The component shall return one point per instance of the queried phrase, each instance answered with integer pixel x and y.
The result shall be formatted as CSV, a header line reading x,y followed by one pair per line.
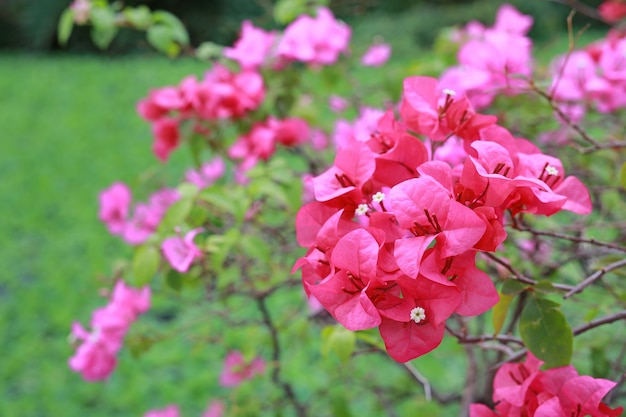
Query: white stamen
x,y
378,197
552,170
418,314
362,209
449,92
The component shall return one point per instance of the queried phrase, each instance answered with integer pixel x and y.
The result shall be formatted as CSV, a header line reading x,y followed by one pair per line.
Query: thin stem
x,y
519,276
599,322
571,238
276,354
594,277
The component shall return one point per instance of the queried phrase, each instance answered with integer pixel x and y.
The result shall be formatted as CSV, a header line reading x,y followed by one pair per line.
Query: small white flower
x,y
418,314
449,92
361,209
552,170
378,197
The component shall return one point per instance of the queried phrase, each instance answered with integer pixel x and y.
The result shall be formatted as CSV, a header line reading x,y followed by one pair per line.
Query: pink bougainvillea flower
x,y
166,137
612,10
171,410
252,48
237,370
81,9
114,207
95,358
182,252
315,41
207,174
337,103
291,131
424,208
377,54
215,408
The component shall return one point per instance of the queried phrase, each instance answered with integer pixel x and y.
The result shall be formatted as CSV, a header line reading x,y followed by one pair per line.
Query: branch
x,y
276,353
571,238
581,8
599,322
594,277
519,276
429,392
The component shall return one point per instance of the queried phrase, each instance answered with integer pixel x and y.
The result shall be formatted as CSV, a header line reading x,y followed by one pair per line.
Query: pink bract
x,y
237,370
252,48
182,252
377,54
114,207
169,411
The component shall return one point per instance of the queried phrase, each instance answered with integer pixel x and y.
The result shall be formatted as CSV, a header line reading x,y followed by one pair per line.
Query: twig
x,y
594,277
428,394
276,353
581,8
571,238
599,322
519,276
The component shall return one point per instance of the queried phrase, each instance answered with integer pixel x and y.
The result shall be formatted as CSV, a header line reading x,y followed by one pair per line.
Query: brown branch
x,y
599,322
594,277
429,392
519,276
276,353
581,8
571,238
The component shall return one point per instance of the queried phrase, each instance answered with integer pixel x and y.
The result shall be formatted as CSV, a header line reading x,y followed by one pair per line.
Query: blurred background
x,y
69,130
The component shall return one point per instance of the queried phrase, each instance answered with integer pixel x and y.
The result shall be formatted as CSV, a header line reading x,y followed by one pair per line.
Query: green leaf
x,y
66,24
145,264
256,248
622,176
209,50
178,31
339,340
286,11
161,37
546,333
513,287
500,310
138,344
174,280
545,287
140,17
176,214
340,406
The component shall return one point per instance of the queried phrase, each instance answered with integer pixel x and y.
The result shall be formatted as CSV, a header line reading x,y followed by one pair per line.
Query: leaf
x,y
174,280
145,264
500,310
104,28
286,11
176,214
209,50
600,365
545,287
66,24
161,37
339,340
256,248
139,344
513,287
622,176
178,31
546,333
140,17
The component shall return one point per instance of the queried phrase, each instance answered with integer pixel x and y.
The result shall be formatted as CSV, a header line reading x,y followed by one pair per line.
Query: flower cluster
x,y
237,370
612,11
492,60
96,356
221,94
393,232
595,75
115,207
214,409
525,390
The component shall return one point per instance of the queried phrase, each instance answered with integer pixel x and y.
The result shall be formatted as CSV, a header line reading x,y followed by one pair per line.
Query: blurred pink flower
x,y
252,48
376,55
169,411
207,174
114,205
215,409
181,252
236,370
337,103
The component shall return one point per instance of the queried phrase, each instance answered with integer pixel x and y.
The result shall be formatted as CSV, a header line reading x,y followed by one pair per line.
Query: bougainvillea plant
x,y
408,220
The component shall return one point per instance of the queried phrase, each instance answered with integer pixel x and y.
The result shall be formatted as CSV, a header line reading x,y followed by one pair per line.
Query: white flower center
x,y
552,170
418,314
449,92
361,209
378,197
